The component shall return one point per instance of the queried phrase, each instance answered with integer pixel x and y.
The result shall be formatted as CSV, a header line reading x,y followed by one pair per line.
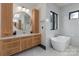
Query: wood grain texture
x,y
35,21
6,19
10,46
15,45
26,42
36,40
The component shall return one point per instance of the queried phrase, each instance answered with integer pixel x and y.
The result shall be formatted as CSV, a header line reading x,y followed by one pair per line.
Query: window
x,y
53,20
74,15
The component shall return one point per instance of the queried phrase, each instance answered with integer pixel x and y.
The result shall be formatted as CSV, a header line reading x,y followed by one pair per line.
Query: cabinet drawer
x,y
36,40
11,44
36,43
10,51
37,35
10,40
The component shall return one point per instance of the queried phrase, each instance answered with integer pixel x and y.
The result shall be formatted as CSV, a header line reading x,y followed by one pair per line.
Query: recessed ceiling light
x,y
27,10
23,9
19,8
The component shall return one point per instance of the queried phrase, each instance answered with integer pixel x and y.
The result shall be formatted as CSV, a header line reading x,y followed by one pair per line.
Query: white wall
x,y
70,27
42,9
45,23
51,33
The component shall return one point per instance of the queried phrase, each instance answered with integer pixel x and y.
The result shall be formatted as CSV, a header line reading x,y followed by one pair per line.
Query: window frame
x,y
72,13
56,21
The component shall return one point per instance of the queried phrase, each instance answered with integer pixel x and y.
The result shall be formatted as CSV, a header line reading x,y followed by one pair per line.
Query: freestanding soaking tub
x,y
60,43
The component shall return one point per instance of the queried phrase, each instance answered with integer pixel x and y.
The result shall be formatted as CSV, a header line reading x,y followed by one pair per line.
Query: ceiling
x,y
35,4
27,5
63,4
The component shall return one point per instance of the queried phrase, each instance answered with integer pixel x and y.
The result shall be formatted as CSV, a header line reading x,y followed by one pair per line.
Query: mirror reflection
x,y
21,22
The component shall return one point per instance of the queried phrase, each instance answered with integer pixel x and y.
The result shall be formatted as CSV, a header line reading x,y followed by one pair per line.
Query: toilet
x,y
60,43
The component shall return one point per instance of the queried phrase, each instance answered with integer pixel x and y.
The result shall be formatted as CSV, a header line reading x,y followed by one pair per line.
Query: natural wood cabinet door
x,y
23,43
6,19
36,40
26,42
10,51
35,21
29,42
11,46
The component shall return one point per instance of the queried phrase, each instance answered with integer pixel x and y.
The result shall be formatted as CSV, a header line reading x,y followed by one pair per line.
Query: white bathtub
x,y
60,43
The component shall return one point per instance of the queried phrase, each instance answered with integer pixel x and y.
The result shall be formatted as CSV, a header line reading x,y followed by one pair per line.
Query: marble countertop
x,y
18,36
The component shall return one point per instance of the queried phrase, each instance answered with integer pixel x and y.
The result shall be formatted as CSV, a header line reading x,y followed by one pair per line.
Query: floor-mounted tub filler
x,y
60,43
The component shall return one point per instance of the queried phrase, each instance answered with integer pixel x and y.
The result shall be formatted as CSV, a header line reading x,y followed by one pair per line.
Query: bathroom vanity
x,y
18,33
18,43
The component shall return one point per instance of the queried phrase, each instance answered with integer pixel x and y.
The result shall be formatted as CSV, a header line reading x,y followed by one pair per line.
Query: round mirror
x,y
21,22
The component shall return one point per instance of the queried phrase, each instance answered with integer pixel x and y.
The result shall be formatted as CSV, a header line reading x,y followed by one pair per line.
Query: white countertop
x,y
17,36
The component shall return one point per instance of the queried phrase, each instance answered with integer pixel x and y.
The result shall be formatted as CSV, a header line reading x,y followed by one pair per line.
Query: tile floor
x,y
38,51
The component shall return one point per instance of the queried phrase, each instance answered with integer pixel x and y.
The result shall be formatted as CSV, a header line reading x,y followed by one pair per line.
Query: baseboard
x,y
42,46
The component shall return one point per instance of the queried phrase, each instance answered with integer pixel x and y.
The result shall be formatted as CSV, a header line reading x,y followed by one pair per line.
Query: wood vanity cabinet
x,y
36,40
26,43
10,46
30,41
35,21
6,19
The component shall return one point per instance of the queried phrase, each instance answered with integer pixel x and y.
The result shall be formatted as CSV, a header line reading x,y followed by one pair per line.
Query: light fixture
x,y
27,10
19,8
23,9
